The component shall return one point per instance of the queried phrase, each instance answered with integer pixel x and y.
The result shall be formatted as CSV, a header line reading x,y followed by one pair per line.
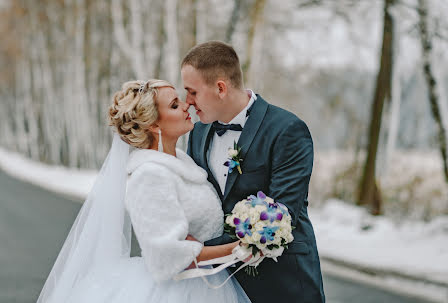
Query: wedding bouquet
x,y
262,225
264,228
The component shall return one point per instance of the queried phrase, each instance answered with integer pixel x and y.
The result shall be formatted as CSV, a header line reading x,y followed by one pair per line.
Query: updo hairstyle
x,y
134,110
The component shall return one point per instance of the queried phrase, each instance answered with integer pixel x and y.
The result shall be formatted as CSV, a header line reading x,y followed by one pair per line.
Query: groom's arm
x,y
292,164
224,239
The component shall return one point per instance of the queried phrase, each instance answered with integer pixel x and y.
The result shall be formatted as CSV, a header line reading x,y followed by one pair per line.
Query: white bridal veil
x,y
101,233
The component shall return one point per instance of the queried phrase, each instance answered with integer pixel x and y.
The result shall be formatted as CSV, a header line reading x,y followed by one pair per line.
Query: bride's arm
x,y
212,252
159,222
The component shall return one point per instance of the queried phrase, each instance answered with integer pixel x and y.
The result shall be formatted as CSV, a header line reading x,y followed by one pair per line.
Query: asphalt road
x,y
35,222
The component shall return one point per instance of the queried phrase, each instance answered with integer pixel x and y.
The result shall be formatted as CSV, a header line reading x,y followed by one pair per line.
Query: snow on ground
x,y
412,182
68,181
343,231
348,233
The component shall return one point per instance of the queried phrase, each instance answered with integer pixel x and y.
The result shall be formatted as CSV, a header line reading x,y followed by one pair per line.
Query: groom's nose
x,y
185,106
189,100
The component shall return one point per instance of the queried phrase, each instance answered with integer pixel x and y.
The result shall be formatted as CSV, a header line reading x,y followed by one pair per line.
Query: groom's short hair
x,y
215,59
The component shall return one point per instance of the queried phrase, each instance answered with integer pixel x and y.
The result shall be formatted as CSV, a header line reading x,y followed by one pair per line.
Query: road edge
x,y
396,282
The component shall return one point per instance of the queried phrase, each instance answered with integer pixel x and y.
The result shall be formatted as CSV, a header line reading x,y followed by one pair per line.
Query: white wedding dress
x,y
167,198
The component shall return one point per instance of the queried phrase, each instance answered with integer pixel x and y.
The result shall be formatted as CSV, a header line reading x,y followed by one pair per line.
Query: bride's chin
x,y
189,127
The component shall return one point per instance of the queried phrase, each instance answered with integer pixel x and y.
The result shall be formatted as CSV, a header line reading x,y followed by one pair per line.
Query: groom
x,y
277,153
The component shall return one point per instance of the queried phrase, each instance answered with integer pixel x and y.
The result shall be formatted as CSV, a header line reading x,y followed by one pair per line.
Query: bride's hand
x,y
191,266
191,238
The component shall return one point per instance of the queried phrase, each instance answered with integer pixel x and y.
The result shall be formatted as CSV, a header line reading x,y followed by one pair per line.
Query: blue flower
x,y
242,228
231,164
272,213
258,200
268,233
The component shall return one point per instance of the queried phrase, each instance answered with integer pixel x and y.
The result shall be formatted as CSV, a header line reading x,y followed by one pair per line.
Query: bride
x,y
166,197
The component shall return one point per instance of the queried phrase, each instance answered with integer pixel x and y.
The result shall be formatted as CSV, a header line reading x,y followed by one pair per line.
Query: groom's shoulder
x,y
281,117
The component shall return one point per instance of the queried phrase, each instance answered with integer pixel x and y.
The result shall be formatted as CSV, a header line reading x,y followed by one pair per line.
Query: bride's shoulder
x,y
156,165
148,164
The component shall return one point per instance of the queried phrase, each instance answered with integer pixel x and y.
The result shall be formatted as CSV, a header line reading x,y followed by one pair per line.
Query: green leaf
x,y
272,246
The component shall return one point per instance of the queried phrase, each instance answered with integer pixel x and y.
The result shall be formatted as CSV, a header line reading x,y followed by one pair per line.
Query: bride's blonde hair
x,y
134,110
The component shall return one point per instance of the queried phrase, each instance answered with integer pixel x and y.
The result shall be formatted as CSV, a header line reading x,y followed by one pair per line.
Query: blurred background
x,y
369,77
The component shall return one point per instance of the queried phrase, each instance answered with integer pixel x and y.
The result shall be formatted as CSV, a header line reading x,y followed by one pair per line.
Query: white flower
x,y
259,226
256,236
240,208
229,220
254,215
232,152
269,200
260,208
277,239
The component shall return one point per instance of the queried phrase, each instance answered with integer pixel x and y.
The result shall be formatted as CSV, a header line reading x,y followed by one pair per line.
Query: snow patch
x,y
72,182
348,233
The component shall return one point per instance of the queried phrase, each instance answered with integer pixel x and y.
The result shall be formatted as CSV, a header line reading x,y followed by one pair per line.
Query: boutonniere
x,y
234,158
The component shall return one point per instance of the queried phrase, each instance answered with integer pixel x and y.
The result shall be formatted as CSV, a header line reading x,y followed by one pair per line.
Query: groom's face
x,y
204,97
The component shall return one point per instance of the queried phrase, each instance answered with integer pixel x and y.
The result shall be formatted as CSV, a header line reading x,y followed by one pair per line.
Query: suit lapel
x,y
208,134
250,129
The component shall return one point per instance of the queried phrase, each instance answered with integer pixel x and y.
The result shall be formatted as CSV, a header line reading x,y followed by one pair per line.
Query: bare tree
x,y
236,12
255,20
431,82
369,191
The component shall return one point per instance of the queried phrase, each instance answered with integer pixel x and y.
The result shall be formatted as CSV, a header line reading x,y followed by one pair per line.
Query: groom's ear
x,y
222,88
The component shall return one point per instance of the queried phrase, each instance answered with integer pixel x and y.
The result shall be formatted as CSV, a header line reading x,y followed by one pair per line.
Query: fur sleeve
x,y
159,221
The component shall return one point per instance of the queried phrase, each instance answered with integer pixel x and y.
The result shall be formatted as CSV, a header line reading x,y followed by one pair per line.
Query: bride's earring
x,y
160,148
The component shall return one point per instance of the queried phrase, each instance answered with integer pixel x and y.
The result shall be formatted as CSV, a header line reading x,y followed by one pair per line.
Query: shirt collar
x,y
241,117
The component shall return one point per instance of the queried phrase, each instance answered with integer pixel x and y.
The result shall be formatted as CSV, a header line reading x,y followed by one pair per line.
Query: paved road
x,y
34,224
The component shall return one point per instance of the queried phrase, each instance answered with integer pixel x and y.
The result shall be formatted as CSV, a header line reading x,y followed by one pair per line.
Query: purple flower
x,y
264,216
242,228
268,233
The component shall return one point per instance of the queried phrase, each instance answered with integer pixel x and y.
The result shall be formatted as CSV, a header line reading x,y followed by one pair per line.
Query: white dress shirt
x,y
217,153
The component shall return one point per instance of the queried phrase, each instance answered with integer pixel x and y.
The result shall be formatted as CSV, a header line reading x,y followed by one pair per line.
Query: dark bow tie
x,y
221,129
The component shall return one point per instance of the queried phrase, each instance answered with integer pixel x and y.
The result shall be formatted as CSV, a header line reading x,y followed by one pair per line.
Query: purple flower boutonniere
x,y
234,159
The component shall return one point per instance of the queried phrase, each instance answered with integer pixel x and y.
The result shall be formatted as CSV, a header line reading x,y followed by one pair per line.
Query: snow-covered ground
x,y
344,232
348,233
72,182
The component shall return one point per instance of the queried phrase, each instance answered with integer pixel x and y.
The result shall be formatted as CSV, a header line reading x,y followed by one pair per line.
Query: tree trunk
x,y
394,114
256,17
369,193
433,97
233,20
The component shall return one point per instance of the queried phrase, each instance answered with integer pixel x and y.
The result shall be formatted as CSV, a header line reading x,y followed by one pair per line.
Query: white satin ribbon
x,y
239,254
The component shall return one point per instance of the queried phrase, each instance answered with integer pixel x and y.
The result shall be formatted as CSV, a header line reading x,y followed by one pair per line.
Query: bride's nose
x,y
185,106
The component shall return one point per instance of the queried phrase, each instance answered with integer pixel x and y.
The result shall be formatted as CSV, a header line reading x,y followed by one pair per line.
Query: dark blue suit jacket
x,y
277,153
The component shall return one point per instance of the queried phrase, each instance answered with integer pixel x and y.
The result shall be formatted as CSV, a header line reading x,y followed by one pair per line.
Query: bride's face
x,y
174,119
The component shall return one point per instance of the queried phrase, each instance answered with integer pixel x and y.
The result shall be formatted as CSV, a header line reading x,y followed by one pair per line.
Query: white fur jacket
x,y
167,198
